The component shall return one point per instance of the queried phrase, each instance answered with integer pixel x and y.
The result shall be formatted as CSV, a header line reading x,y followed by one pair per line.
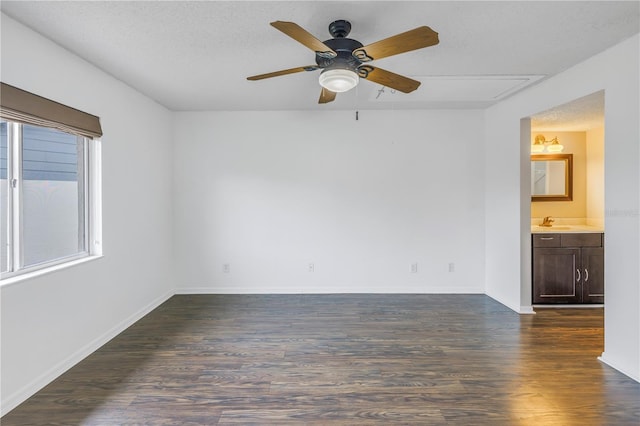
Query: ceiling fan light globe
x,y
338,80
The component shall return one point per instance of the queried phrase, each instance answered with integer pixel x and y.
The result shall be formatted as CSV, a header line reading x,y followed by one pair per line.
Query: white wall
x,y
507,221
50,322
270,192
595,176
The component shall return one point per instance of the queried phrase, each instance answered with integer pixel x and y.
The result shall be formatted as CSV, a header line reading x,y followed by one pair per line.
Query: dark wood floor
x,y
344,359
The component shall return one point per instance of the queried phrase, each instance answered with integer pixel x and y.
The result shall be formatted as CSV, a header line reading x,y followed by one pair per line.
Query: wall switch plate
x,y
452,267
226,268
414,268
312,267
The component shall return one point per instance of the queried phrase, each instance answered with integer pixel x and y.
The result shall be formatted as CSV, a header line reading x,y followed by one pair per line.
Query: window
x,y
50,196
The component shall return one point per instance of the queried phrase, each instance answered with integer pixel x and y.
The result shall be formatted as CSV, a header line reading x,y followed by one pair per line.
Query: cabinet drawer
x,y
546,240
581,240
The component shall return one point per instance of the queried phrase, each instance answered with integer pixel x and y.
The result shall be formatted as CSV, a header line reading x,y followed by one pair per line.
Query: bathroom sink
x,y
565,228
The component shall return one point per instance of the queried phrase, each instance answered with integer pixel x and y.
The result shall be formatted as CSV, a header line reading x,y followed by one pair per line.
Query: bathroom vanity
x,y
567,265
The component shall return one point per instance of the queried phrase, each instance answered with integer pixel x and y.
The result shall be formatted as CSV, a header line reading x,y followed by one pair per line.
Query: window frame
x,y
90,195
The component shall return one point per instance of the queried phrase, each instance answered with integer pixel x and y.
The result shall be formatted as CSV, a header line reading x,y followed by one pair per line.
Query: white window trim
x,y
65,263
14,178
94,174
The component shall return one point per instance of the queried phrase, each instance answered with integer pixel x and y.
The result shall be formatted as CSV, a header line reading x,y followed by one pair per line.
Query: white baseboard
x,y
604,359
12,401
570,306
526,310
263,289
234,290
521,309
503,302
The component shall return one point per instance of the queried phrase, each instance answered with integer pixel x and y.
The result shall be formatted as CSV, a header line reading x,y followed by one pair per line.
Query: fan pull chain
x,y
357,101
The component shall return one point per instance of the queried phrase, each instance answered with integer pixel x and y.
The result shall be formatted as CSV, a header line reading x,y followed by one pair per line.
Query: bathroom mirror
x,y
552,177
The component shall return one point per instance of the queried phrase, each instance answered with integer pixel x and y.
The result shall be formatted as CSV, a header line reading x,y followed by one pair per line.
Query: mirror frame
x,y
568,177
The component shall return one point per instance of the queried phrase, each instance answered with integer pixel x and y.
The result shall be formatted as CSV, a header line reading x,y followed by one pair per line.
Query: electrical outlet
x,y
312,267
414,268
452,267
226,268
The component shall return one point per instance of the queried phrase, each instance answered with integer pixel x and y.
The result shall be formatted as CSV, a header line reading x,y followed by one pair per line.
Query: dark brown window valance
x,y
24,107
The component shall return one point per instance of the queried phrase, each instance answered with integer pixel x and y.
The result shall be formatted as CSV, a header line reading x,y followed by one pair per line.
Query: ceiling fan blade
x,y
392,80
282,72
301,35
411,40
326,96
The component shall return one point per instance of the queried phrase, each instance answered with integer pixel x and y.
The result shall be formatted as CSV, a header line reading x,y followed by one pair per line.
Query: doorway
x,y
574,130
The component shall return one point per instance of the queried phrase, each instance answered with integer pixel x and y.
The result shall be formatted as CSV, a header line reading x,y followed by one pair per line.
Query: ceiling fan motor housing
x,y
344,59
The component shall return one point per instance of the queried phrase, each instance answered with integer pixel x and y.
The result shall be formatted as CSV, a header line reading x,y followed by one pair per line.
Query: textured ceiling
x,y
190,55
579,115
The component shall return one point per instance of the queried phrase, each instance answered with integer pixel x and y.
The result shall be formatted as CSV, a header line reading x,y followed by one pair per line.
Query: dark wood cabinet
x,y
555,277
568,268
593,265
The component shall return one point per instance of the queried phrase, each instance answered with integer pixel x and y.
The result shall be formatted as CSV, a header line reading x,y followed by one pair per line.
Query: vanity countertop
x,y
565,229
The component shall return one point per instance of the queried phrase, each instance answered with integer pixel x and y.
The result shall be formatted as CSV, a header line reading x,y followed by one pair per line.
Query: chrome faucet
x,y
547,221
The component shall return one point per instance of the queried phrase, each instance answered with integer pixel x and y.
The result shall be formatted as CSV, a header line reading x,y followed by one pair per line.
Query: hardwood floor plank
x,y
350,359
334,415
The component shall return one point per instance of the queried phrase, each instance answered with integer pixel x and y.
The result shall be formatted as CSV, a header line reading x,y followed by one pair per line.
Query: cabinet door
x,y
556,275
593,275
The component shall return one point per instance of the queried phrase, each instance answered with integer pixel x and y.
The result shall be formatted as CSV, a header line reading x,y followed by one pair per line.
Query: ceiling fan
x,y
344,61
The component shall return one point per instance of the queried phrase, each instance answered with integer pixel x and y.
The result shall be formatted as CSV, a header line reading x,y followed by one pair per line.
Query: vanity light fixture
x,y
540,144
338,80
